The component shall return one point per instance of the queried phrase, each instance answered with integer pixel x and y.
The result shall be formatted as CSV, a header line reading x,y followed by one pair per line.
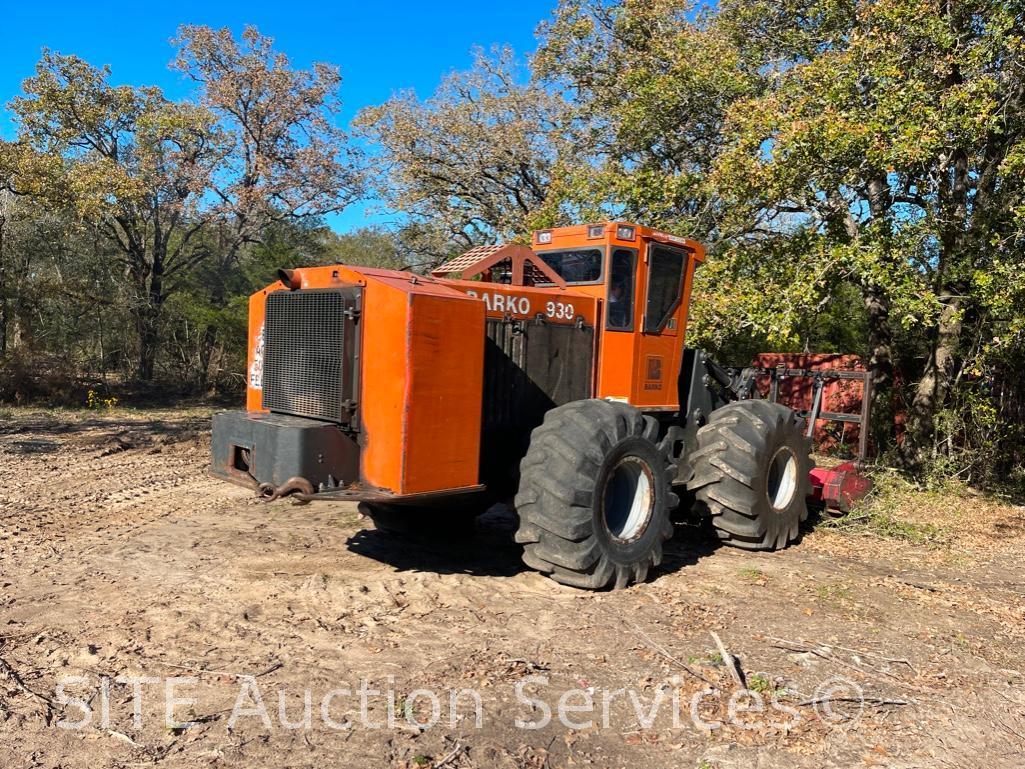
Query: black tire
x,y
424,521
595,495
751,474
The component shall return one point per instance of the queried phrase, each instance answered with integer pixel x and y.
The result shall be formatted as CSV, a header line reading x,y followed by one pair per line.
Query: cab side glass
x,y
575,265
665,286
619,303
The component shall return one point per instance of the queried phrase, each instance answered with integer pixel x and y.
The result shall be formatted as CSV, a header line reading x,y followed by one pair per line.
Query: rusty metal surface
x,y
268,492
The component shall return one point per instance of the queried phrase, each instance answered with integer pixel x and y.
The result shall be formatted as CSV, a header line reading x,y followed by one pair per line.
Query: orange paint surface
x,y
383,357
556,305
421,368
628,361
442,405
422,345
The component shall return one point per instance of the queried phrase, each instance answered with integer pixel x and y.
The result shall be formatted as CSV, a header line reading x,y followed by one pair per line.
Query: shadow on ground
x,y
485,550
488,549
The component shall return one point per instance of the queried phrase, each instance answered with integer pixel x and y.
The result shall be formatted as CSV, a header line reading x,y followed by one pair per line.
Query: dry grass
x,y
945,523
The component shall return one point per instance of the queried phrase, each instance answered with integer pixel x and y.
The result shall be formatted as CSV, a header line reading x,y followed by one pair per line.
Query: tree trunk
x,y
148,316
880,365
228,257
880,332
934,386
941,367
206,349
149,338
209,341
3,290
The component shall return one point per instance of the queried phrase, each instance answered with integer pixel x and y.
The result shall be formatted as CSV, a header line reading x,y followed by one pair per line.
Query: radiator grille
x,y
308,342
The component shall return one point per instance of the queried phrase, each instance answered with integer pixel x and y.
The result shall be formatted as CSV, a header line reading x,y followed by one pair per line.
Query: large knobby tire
x,y
751,474
595,495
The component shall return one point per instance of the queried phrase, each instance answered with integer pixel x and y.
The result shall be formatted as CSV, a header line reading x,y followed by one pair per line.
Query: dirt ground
x,y
896,641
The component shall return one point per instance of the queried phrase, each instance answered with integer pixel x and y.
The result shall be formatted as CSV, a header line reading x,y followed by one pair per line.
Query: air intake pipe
x,y
292,279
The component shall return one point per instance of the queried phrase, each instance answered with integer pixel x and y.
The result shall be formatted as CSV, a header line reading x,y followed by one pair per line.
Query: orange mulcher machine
x,y
554,376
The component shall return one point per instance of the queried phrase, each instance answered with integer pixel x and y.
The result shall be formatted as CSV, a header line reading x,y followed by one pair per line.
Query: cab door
x,y
617,351
668,268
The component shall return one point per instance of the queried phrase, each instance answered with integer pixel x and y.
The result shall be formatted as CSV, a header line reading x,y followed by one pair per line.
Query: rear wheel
x,y
751,470
595,495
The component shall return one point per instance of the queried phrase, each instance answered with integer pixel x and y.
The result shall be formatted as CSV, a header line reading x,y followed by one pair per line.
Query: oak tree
x,y
472,163
175,183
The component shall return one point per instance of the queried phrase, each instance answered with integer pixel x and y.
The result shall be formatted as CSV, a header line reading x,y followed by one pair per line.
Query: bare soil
x,y
894,644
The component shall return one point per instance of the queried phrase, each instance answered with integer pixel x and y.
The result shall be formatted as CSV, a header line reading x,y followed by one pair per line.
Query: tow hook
x,y
268,492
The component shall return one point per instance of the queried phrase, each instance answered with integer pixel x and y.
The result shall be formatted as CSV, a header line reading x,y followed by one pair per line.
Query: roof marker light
x,y
625,232
544,236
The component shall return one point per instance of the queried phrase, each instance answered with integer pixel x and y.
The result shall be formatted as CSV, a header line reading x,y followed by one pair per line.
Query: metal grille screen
x,y
304,344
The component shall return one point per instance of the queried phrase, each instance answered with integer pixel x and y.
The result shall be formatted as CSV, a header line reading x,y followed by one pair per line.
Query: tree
x,y
159,177
828,150
127,159
650,83
285,160
891,142
5,206
366,246
651,86
470,165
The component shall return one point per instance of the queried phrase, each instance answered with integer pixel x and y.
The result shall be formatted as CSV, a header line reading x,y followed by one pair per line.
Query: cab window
x,y
665,286
619,304
575,265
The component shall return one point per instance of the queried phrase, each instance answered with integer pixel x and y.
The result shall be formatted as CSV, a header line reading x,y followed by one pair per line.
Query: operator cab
x,y
629,285
644,278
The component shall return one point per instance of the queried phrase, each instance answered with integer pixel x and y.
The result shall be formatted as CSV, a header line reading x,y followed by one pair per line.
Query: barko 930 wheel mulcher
x,y
555,373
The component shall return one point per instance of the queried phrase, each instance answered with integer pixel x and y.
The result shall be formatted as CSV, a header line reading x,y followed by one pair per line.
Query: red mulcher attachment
x,y
838,488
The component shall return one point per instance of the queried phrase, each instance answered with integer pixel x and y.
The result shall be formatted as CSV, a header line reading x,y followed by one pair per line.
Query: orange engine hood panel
x,y
555,305
421,369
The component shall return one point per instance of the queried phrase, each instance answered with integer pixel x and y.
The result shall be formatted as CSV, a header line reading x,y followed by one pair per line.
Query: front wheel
x,y
751,470
595,495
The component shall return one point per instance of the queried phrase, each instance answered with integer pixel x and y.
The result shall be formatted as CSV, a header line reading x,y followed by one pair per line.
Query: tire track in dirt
x,y
131,558
87,487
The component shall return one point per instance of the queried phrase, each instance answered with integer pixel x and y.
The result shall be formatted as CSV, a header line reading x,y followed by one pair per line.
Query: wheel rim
x,y
628,499
781,483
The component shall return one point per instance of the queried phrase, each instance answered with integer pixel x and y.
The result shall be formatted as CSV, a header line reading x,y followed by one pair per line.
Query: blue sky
x,y
381,47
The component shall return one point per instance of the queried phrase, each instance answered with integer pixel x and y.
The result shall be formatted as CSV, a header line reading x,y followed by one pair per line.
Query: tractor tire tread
x,y
556,494
730,465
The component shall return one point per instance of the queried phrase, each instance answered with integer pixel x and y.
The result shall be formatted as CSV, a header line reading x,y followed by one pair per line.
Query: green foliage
x,y
366,247
650,88
469,165
857,169
759,683
839,155
171,186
